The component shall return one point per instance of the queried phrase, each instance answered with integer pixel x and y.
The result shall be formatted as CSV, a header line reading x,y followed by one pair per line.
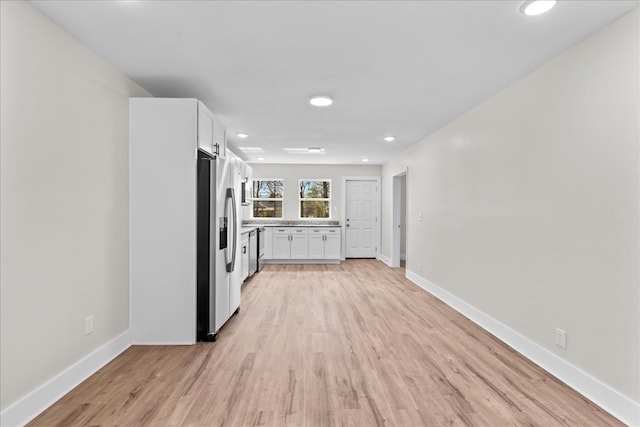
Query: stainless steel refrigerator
x,y
218,287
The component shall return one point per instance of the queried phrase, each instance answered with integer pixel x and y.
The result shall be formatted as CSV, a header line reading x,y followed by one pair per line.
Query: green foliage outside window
x,y
315,198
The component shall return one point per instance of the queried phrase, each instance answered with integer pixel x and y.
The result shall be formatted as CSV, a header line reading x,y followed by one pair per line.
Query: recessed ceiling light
x,y
313,150
260,158
537,7
254,150
321,101
365,160
389,138
242,135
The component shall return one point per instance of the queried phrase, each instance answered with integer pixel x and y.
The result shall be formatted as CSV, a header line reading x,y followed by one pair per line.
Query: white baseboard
x,y
301,261
609,399
31,405
385,259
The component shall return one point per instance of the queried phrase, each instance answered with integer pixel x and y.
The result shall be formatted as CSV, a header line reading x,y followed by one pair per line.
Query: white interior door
x,y
361,221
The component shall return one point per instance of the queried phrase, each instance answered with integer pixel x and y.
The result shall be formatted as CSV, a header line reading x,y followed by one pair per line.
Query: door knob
x,y
347,225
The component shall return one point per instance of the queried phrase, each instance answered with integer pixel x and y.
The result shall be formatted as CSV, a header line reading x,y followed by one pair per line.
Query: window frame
x,y
270,199
323,199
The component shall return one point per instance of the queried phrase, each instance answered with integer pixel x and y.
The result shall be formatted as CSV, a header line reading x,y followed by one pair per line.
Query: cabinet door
x,y
244,253
299,243
248,176
220,138
281,245
316,243
205,128
332,244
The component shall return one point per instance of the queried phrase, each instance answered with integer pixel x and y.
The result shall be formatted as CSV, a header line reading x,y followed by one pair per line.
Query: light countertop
x,y
248,229
290,223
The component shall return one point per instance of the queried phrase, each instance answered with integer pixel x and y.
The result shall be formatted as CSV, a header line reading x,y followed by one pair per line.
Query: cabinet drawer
x,y
283,230
323,230
299,231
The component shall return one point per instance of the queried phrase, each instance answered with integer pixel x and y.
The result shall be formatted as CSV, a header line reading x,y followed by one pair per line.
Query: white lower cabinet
x,y
290,243
324,243
281,243
316,244
244,255
332,244
302,243
299,243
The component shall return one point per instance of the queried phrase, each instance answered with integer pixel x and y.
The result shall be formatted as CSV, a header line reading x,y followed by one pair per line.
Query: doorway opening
x,y
399,220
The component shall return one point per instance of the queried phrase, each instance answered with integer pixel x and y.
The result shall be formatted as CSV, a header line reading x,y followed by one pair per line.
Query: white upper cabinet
x,y
212,136
248,171
205,129
247,185
220,138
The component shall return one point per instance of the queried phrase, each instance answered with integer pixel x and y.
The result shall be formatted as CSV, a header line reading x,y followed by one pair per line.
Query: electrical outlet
x,y
561,338
88,325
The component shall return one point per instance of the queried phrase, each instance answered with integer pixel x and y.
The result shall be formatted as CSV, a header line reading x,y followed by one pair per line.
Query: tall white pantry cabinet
x,y
164,138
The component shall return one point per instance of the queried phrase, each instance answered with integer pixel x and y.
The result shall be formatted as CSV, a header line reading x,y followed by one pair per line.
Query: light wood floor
x,y
354,344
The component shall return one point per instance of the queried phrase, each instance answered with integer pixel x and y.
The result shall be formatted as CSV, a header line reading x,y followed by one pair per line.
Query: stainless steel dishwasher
x,y
253,252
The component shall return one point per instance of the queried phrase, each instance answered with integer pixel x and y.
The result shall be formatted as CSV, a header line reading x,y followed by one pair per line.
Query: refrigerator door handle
x,y
234,223
225,245
235,230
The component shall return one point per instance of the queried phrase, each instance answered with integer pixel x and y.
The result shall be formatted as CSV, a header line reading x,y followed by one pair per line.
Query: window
x,y
267,198
315,198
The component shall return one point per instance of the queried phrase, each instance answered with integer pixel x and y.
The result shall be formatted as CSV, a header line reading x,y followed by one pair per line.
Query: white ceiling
x,y
403,68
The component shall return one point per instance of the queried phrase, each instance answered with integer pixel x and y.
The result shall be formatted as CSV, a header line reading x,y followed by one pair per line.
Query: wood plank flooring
x,y
354,344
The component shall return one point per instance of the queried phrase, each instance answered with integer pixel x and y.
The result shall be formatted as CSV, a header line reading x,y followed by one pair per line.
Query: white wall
x,y
292,173
531,206
64,200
